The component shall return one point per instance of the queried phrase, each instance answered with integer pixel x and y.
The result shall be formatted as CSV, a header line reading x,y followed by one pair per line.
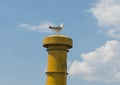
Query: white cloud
x,y
103,64
42,27
107,13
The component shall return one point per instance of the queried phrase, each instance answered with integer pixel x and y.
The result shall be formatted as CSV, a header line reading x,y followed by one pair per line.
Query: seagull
x,y
57,29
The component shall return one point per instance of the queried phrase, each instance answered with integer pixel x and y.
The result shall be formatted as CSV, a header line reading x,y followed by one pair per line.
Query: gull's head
x,y
62,25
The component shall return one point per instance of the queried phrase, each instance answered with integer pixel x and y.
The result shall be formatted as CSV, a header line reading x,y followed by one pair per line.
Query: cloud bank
x,y
107,13
103,64
42,27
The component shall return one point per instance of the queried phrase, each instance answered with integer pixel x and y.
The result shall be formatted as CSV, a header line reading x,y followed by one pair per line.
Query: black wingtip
x,y
50,27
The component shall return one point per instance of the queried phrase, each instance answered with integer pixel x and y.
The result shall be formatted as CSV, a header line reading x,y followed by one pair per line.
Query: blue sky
x,y
92,24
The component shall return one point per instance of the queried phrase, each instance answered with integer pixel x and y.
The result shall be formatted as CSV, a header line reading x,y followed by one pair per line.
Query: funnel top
x,y
57,40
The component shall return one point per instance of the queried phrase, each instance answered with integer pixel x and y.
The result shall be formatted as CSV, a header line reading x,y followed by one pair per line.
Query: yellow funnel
x,y
57,47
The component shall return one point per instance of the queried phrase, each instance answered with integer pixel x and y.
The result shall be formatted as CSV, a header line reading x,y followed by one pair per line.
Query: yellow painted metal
x,y
57,47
